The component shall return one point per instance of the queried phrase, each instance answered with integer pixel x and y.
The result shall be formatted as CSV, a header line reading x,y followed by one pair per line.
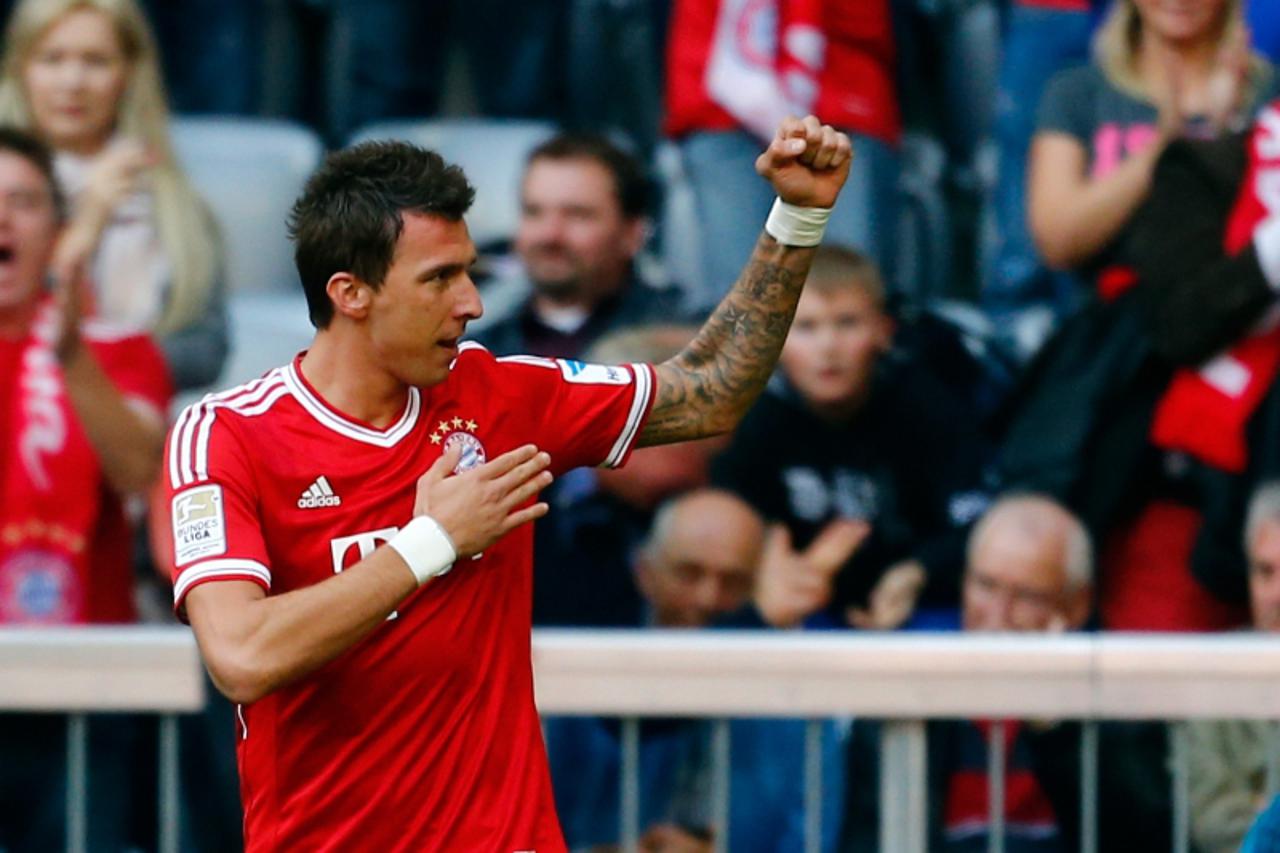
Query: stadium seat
x,y
250,171
267,330
923,268
491,151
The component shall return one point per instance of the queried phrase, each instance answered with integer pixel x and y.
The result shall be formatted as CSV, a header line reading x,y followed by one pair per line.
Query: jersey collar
x,y
333,420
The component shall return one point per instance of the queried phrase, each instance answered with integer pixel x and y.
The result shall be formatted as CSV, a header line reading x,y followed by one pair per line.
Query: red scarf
x,y
51,487
1205,411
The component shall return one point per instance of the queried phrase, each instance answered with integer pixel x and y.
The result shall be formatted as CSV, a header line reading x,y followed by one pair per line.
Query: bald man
x,y
700,559
697,568
1029,569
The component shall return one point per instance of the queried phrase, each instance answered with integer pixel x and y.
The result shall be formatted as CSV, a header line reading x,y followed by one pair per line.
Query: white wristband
x,y
426,547
792,225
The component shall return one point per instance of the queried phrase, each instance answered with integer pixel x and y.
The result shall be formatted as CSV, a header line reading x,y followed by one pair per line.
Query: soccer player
x,y
351,538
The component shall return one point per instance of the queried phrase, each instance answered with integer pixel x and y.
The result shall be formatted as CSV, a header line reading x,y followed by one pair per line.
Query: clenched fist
x,y
807,162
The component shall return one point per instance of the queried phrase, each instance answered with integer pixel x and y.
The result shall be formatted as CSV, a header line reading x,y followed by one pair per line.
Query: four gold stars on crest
x,y
446,426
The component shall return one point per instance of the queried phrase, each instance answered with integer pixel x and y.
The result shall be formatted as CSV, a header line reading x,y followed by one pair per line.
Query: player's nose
x,y
468,305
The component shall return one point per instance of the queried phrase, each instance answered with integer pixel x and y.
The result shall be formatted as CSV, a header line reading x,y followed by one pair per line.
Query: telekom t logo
x,y
345,554
364,545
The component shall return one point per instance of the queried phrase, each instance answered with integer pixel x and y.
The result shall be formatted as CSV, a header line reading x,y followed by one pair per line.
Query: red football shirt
x,y
424,736
66,547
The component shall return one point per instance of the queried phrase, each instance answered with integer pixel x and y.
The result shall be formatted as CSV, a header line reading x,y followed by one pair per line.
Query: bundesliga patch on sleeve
x,y
199,524
593,374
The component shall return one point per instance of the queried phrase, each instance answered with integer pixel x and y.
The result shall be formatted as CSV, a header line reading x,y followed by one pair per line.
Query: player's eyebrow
x,y
447,269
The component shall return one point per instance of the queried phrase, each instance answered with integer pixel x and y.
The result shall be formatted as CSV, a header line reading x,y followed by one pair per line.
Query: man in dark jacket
x,y
583,221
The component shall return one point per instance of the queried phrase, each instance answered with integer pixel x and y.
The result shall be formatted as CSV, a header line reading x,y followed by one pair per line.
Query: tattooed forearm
x,y
708,387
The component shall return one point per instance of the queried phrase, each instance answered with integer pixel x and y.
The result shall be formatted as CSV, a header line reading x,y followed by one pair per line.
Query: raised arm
x,y
707,387
128,439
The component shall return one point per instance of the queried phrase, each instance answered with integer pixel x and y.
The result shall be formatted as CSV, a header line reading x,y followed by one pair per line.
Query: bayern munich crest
x,y
460,433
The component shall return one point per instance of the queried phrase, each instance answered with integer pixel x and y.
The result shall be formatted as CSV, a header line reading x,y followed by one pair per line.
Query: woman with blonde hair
x,y
1160,70
84,76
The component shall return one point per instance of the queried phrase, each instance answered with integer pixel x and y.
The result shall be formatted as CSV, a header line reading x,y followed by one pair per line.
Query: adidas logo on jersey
x,y
319,494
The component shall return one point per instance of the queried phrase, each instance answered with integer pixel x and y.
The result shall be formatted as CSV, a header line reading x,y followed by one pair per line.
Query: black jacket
x,y
911,463
1078,427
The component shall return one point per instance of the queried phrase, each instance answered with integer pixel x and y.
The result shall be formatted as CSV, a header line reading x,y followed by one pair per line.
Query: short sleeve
x,y
137,368
580,413
1065,106
212,505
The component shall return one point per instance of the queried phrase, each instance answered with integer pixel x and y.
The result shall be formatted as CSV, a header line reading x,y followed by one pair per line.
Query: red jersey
x,y
423,736
66,547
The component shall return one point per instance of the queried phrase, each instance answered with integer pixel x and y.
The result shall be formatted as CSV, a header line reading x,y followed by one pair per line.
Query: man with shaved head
x,y
697,568
699,562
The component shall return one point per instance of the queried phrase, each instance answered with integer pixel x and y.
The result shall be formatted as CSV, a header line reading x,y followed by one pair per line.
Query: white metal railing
x,y
904,678
77,671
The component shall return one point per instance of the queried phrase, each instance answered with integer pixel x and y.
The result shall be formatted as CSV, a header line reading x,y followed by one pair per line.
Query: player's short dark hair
x,y
350,213
35,152
629,179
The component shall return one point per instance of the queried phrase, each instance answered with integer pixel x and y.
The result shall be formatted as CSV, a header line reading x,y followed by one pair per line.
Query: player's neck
x,y
345,378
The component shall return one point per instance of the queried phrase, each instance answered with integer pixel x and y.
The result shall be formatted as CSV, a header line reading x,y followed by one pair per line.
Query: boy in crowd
x,y
848,438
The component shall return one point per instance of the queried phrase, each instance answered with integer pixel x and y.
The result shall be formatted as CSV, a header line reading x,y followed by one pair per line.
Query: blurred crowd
x,y
1031,385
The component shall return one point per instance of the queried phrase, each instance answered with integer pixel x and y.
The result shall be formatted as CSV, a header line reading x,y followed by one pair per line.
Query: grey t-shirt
x,y
1110,123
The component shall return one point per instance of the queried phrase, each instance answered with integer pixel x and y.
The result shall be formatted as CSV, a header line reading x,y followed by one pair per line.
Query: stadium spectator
x,y
734,69
614,67
583,220
1171,389
1186,404
1228,760
1042,37
1029,569
82,413
847,433
696,568
1159,71
1207,252
84,76
947,62
584,549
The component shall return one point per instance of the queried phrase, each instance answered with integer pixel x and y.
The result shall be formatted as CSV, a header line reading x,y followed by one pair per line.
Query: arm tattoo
x,y
708,387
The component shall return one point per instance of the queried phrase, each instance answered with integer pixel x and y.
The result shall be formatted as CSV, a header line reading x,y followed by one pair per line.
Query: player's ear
x,y
350,296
